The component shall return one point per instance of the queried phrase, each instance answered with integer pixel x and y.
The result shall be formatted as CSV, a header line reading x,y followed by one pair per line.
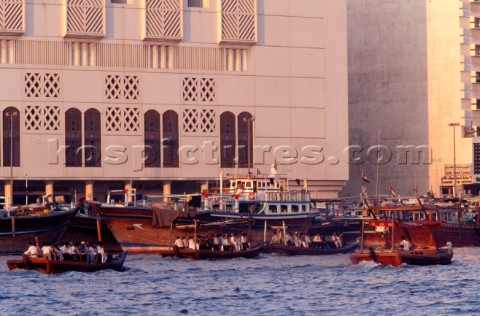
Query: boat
x,y
390,222
310,251
211,254
263,204
88,225
260,208
21,225
47,266
138,228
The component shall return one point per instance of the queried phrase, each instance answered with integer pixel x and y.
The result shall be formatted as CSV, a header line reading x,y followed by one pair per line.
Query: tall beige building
x,y
405,88
162,95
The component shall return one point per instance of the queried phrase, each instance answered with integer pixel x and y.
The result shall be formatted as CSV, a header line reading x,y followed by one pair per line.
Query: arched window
x,y
245,138
73,138
93,138
170,139
227,140
152,139
11,137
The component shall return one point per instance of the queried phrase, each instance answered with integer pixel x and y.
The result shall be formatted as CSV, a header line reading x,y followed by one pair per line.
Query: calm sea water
x,y
270,285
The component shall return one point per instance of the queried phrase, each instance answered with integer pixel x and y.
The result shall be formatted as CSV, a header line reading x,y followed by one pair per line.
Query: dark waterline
x,y
270,285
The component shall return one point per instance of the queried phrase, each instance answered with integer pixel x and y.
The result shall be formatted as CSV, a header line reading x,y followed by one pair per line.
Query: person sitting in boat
x,y
297,240
185,242
179,243
289,239
31,251
336,240
244,241
307,241
192,244
46,251
102,254
404,244
56,253
317,241
72,251
232,242
216,242
225,244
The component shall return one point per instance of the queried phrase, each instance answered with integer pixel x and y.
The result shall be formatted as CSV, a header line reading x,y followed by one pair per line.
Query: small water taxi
x,y
47,266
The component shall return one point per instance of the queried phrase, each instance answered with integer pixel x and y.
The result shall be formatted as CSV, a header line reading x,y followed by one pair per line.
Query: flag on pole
x,y
364,178
273,171
390,189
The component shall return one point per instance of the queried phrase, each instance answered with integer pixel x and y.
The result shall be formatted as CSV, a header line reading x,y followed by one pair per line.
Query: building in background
x,y
405,88
162,95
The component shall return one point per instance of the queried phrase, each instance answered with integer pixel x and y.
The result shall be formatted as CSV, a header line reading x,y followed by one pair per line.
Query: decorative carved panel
x,y
85,18
238,21
163,19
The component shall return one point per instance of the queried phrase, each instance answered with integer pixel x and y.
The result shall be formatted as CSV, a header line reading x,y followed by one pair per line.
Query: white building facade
x,y
102,94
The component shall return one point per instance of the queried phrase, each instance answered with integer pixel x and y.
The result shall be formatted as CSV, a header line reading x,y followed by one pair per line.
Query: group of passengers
x,y
219,242
82,252
307,241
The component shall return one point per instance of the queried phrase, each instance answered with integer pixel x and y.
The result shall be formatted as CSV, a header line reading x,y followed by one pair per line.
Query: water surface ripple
x,y
270,285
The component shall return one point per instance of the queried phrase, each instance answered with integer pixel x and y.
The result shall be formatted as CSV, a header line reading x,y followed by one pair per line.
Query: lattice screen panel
x,y
122,87
199,121
163,19
238,21
42,85
42,118
199,90
85,18
122,119
11,16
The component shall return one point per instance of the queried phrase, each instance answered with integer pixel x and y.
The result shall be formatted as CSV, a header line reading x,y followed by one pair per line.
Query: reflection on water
x,y
270,285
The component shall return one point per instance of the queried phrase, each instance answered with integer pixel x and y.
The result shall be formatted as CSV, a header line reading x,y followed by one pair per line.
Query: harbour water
x,y
269,285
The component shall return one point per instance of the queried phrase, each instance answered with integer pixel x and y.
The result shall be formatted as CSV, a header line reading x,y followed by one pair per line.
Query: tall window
x,y
93,139
227,140
152,139
11,137
73,138
170,139
245,138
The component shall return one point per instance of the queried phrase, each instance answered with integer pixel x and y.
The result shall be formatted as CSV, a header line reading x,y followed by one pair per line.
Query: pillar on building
x,y
89,190
8,195
49,191
167,189
128,187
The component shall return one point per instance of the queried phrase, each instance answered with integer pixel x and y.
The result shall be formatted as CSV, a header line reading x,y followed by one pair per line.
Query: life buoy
x,y
251,196
216,199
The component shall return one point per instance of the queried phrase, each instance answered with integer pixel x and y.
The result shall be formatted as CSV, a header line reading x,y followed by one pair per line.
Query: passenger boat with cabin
x,y
257,205
264,203
21,224
47,266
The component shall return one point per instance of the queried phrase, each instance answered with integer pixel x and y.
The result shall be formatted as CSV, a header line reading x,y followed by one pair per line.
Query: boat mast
x,y
378,164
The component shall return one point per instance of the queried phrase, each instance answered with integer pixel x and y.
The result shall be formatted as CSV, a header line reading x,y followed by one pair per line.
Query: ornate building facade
x,y
162,95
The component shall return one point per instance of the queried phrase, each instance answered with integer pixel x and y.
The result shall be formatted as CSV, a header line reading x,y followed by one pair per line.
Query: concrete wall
x,y
404,89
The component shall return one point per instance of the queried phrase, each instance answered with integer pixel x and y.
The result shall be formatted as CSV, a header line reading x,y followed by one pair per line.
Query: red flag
x,y
364,178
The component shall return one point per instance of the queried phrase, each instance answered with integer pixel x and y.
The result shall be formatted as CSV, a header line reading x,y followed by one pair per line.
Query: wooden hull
x,y
210,254
426,257
52,267
388,258
85,228
302,251
460,235
47,227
